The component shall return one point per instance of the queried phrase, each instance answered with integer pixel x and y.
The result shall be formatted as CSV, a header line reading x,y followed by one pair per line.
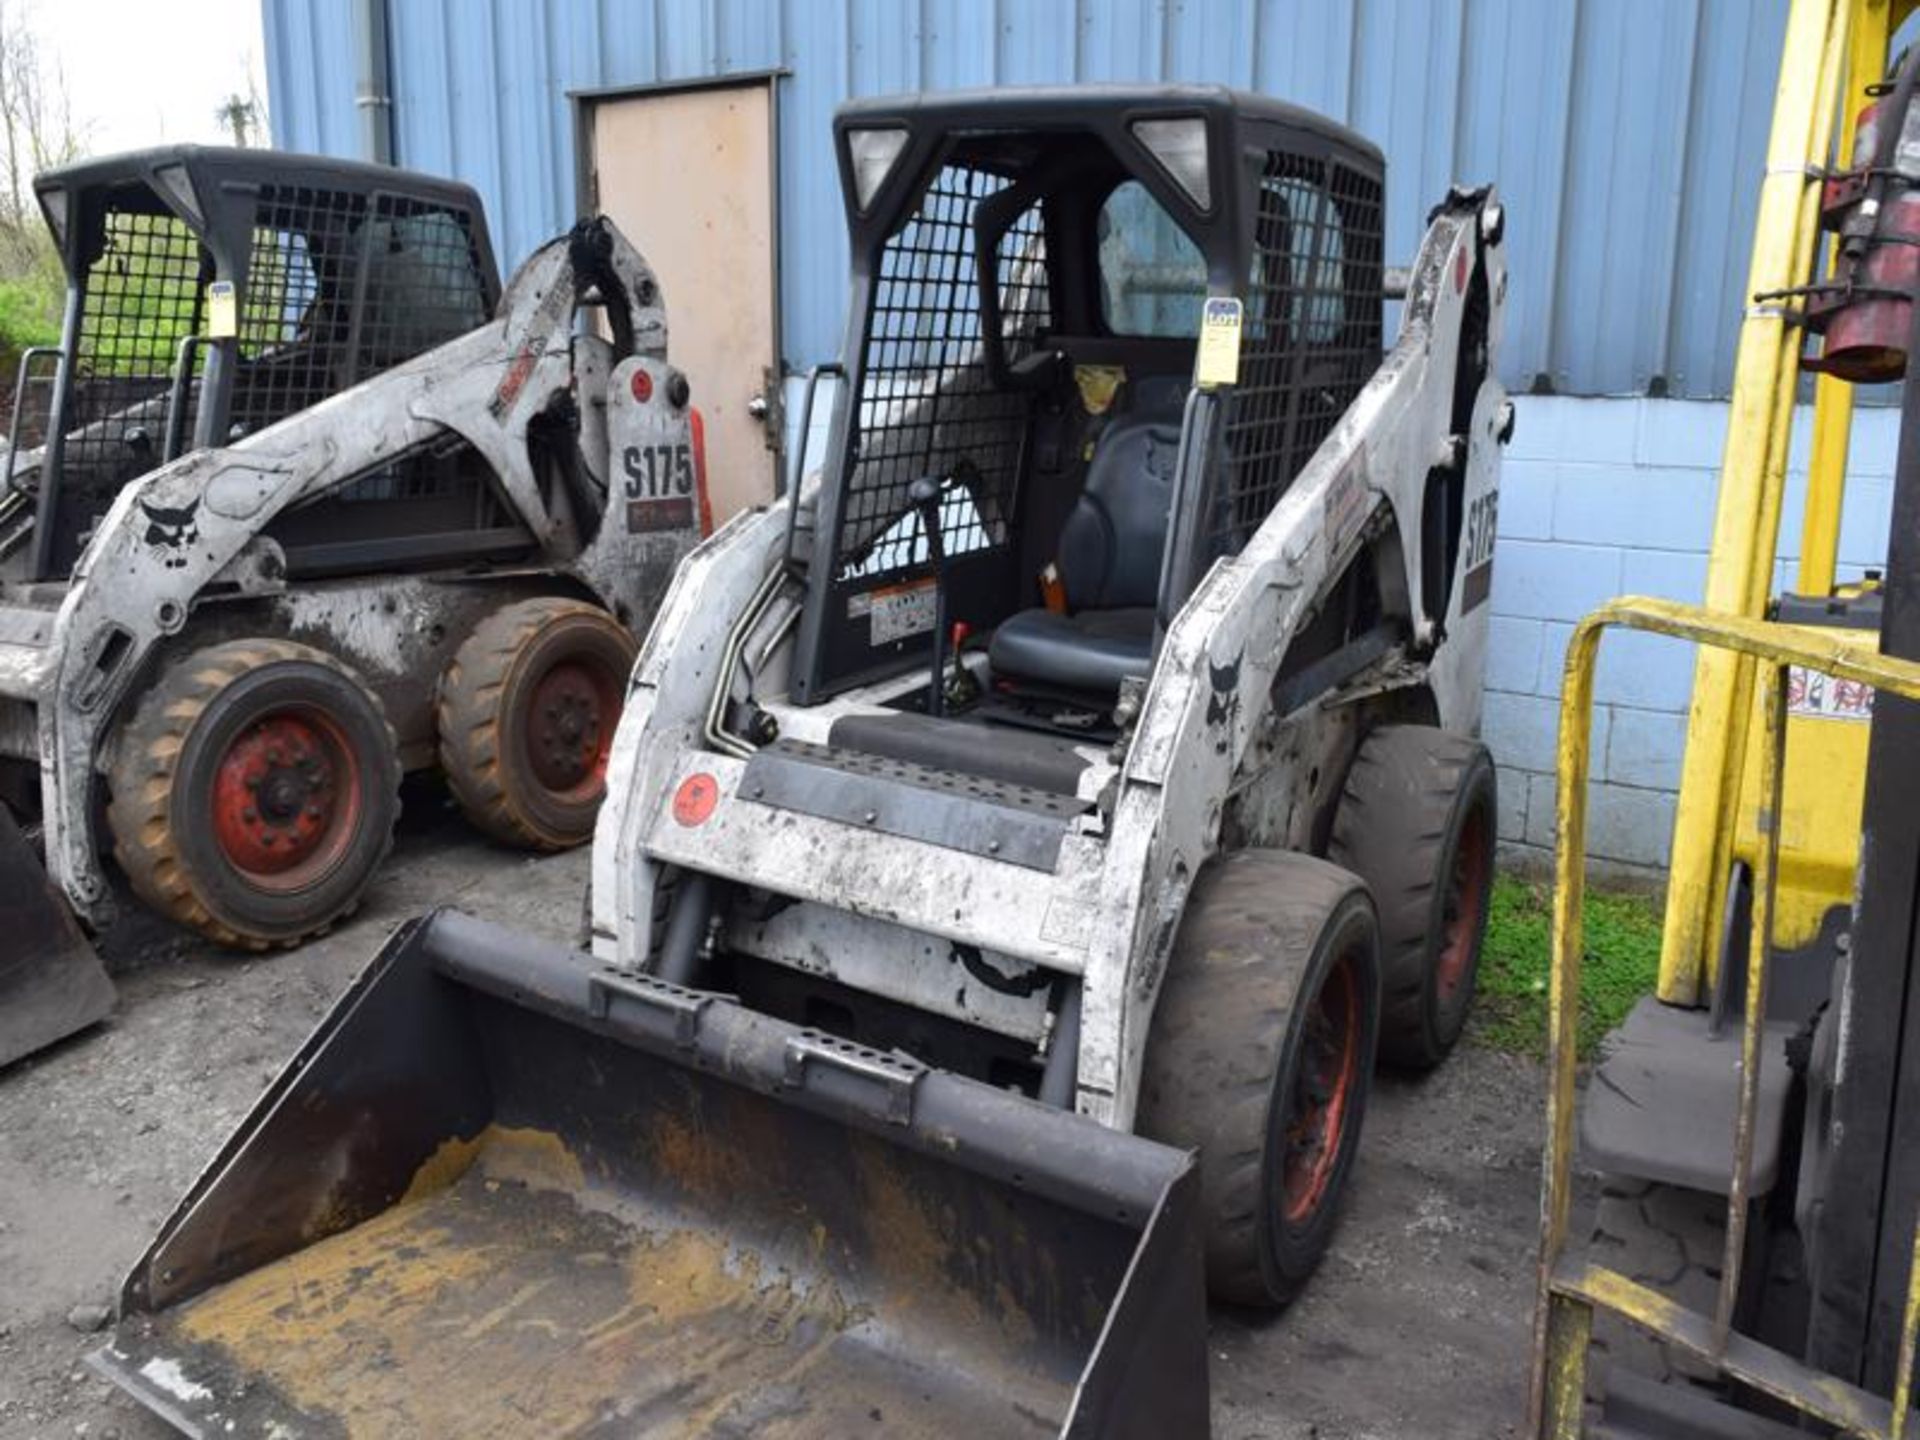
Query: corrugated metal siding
x,y
1626,134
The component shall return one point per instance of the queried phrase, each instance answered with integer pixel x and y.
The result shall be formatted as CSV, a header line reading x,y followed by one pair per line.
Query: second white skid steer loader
x,y
314,503
1077,774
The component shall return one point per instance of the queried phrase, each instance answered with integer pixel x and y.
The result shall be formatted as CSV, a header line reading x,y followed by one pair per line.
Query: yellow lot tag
x,y
1218,361
223,315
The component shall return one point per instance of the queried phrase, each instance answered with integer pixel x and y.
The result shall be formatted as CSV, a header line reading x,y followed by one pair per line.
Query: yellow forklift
x,y
1754,1121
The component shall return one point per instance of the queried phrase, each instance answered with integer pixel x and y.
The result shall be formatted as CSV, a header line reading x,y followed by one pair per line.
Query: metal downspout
x,y
372,86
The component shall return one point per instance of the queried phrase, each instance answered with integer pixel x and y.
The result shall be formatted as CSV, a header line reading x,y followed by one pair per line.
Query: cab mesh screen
x,y
141,298
343,285
340,286
1313,331
924,406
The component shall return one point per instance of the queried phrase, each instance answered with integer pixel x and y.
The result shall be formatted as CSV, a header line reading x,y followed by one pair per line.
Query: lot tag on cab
x,y
223,314
1218,360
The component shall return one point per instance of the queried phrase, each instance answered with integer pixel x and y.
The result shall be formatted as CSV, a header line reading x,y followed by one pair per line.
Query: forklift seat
x,y
1109,559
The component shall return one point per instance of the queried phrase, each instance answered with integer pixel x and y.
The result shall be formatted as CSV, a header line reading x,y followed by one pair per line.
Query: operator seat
x,y
1109,561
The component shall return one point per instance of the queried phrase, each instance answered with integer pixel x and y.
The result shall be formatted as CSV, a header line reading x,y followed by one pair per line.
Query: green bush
x,y
29,313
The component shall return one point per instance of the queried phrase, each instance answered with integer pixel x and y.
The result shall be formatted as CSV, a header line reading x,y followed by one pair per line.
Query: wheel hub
x,y
279,812
567,733
1465,903
1324,1081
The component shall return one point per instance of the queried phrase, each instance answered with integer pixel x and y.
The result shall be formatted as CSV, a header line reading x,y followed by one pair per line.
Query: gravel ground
x,y
1417,1325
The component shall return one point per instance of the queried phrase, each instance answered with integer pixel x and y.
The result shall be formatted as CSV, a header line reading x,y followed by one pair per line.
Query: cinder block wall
x,y
1603,497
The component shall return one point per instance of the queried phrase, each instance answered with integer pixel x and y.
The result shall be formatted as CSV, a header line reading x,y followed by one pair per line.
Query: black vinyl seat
x,y
1110,553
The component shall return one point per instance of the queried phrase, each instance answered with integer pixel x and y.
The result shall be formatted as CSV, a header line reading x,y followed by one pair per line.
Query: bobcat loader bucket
x,y
51,982
500,1192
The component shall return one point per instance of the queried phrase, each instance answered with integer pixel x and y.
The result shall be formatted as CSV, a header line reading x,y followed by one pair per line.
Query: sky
x,y
147,72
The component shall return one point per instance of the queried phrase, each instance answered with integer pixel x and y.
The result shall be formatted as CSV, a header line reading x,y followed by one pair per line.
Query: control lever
x,y
924,495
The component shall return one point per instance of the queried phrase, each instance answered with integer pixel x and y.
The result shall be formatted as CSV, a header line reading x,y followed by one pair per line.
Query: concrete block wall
x,y
1604,497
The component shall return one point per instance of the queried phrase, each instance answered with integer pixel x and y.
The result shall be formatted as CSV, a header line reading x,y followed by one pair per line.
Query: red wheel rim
x,y
1324,1083
569,728
286,799
1466,903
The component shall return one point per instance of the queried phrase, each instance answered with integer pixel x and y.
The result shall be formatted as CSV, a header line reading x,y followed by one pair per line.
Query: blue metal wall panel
x,y
1626,135
1620,208
1514,126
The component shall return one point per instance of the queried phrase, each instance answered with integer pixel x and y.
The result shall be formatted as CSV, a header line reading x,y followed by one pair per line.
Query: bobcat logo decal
x,y
170,531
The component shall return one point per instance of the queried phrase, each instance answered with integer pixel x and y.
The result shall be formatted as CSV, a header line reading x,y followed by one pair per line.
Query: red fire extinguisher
x,y
1865,312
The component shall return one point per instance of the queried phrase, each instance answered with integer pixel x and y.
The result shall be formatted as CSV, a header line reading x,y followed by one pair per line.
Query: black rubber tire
x,y
1420,810
165,771
488,729
1264,934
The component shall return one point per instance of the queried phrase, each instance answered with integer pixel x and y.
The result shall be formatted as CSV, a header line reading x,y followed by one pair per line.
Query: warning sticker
x,y
1827,697
895,612
1218,360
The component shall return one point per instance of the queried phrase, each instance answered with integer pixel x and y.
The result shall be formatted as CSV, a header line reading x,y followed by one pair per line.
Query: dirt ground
x,y
1416,1327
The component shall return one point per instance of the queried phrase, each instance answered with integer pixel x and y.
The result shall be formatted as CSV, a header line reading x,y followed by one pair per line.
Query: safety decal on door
x,y
659,487
895,612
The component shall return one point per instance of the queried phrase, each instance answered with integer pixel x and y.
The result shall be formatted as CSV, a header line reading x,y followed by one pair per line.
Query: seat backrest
x,y
1116,534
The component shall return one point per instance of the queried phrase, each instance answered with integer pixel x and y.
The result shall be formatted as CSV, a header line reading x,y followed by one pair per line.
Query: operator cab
x,y
212,292
1019,492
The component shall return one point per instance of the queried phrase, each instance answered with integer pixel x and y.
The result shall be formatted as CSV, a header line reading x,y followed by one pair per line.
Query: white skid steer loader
x,y
360,528
1020,840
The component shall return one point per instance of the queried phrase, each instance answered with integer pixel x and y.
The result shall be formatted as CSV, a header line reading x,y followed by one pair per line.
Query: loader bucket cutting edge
x,y
503,1192
51,982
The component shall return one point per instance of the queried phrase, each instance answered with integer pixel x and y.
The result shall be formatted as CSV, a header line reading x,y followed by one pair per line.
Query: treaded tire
x,y
517,771
197,746
1668,1239
1270,943
1417,821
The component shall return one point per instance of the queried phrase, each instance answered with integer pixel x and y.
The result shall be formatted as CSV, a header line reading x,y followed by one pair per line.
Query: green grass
x,y
1622,961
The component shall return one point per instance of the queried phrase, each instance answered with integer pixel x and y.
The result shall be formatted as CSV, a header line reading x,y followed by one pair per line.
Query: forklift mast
x,y
1867,1192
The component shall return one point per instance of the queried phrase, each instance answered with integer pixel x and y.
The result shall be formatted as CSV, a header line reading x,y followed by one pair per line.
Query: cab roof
x,y
1047,106
212,167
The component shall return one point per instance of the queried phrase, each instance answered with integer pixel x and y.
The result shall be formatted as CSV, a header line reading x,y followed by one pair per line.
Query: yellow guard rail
x,y
1571,1288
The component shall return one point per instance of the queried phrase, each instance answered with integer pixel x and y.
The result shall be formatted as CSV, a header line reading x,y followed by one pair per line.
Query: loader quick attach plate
x,y
502,1193
979,816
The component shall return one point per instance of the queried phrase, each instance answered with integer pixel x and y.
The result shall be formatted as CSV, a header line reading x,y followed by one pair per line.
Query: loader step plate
x,y
990,818
504,1300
